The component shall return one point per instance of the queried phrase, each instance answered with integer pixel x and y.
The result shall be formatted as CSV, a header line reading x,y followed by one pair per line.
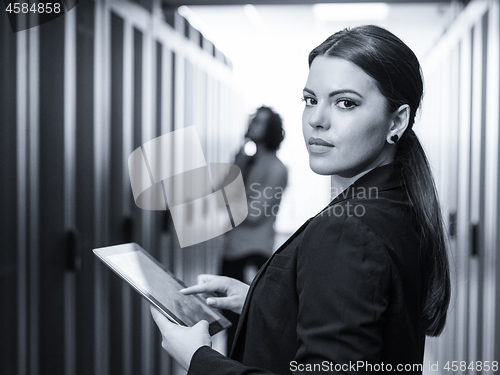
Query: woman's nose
x,y
319,117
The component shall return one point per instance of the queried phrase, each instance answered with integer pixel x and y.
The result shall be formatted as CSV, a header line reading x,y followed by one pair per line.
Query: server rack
x,y
460,128
78,95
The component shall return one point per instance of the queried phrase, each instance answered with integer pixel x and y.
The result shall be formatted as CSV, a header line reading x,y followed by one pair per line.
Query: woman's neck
x,y
261,149
340,183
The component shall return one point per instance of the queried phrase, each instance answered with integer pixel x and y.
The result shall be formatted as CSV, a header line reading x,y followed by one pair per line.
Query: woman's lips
x,y
319,146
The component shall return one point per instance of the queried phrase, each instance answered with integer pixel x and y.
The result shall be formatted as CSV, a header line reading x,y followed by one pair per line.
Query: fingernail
x,y
182,290
210,301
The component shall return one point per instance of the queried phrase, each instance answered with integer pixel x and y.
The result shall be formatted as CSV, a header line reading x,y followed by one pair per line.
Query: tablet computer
x,y
146,275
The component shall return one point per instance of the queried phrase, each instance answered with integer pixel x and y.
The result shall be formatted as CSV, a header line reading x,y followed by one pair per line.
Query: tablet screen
x,y
149,277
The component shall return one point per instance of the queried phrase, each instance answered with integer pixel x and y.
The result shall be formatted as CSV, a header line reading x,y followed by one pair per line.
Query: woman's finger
x,y
211,283
202,326
201,288
155,312
160,319
181,342
204,278
228,303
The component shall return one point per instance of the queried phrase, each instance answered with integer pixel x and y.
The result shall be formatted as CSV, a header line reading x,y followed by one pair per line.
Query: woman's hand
x,y
233,291
181,342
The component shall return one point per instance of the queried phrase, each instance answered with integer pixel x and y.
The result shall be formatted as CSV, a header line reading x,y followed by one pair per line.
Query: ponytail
x,y
422,194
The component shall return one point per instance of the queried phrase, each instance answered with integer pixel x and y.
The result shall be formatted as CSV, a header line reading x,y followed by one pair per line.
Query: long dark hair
x,y
396,70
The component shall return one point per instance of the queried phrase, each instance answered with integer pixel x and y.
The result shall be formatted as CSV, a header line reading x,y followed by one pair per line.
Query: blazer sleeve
x,y
208,361
343,286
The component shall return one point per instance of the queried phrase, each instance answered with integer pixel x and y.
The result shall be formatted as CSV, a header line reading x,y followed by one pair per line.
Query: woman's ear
x,y
400,121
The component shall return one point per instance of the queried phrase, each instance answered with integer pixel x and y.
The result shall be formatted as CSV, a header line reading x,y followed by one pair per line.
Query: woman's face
x,y
345,121
257,127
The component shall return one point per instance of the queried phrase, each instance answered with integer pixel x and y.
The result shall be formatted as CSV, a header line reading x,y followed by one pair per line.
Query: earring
x,y
395,138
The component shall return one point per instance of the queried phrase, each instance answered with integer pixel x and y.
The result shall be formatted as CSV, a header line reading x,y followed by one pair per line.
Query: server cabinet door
x,y
51,262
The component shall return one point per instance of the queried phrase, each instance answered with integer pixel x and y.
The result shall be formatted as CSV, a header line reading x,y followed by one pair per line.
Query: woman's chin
x,y
325,168
321,168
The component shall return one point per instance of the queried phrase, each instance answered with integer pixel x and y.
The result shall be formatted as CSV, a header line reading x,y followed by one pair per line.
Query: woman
x,y
248,246
359,286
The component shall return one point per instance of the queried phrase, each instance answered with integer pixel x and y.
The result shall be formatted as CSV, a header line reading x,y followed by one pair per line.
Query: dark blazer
x,y
346,287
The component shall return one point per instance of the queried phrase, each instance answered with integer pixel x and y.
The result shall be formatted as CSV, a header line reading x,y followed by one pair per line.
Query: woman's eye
x,y
309,100
346,104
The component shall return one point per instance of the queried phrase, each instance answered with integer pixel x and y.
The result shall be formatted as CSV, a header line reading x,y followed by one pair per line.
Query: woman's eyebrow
x,y
336,92
344,91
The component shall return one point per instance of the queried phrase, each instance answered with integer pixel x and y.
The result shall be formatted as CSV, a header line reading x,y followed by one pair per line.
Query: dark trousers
x,y
236,270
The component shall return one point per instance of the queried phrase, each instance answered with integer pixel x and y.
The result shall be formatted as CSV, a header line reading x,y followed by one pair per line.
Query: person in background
x,y
248,246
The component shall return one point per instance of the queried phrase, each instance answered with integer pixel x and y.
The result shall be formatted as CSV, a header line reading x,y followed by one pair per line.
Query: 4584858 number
x,y
472,366
34,8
